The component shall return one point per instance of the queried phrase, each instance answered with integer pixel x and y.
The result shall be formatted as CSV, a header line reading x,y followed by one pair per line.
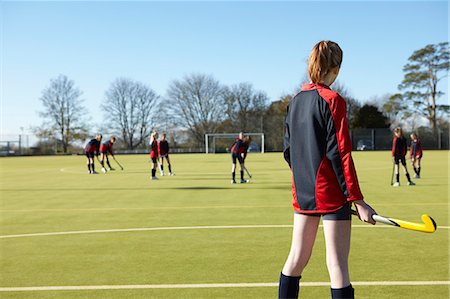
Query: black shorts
x,y
165,156
154,160
398,159
344,213
90,155
235,156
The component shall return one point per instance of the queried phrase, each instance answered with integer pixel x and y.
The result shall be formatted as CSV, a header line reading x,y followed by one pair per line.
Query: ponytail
x,y
325,56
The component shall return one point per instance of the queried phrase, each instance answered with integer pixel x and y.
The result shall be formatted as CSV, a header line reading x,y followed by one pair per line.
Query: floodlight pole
x,y
206,143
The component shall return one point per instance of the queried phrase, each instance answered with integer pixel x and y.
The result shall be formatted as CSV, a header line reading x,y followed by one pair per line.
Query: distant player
x,y
163,151
398,155
105,149
92,149
239,153
154,153
415,151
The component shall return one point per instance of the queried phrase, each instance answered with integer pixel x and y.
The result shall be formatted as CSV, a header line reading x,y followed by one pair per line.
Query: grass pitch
x,y
55,194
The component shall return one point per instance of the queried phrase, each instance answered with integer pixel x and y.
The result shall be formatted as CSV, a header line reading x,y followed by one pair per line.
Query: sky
x,y
263,43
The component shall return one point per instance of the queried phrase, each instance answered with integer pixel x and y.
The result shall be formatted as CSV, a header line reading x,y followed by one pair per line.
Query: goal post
x,y
221,142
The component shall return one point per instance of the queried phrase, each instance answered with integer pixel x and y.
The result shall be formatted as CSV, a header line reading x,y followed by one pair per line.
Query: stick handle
x,y
379,218
384,220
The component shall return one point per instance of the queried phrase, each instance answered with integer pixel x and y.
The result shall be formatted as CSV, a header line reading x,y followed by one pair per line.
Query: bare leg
x,y
303,238
337,238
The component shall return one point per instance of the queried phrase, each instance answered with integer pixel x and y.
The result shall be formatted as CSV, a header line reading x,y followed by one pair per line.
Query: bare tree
x,y
129,110
196,103
245,107
64,114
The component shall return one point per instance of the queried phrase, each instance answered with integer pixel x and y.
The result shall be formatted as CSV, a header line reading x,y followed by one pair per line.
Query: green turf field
x,y
55,194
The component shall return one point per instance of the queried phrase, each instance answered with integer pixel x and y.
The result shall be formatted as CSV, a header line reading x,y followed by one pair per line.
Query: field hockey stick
x,y
246,170
121,168
392,175
428,225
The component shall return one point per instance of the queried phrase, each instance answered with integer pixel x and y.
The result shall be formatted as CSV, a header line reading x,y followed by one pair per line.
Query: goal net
x,y
222,142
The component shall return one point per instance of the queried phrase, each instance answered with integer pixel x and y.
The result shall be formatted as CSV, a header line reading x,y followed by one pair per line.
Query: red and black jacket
x,y
106,148
154,149
239,147
317,147
93,146
415,149
163,147
399,146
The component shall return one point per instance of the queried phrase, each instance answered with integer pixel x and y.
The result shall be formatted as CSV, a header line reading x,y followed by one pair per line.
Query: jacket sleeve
x,y
339,148
287,144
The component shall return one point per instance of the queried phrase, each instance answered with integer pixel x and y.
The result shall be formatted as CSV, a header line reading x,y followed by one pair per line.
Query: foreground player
x,y
238,152
154,153
318,151
92,149
105,149
415,151
163,151
398,155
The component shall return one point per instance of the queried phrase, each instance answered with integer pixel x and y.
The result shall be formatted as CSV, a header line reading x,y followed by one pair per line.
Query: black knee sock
x,y
418,170
109,165
398,177
153,172
161,167
344,293
93,167
102,163
170,168
242,175
233,175
89,167
408,177
288,287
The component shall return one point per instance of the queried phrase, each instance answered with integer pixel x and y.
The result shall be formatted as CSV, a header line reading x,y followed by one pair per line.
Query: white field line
x,y
177,228
212,285
192,207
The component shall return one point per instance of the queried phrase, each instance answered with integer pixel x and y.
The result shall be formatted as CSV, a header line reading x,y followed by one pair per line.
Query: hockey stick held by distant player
x,y
246,170
428,225
121,168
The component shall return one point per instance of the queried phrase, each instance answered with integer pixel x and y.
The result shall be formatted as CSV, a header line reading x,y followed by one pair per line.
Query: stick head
x,y
430,225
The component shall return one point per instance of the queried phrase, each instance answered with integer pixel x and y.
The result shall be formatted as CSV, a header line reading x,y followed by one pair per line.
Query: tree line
x,y
198,104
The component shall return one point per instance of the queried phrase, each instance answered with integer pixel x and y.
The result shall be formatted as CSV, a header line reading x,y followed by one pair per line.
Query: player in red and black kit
x,y
398,155
105,149
163,151
238,152
92,149
317,147
415,151
154,153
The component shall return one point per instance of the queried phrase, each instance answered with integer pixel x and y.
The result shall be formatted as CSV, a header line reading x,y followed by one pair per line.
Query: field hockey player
x,y
324,183
105,150
92,149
